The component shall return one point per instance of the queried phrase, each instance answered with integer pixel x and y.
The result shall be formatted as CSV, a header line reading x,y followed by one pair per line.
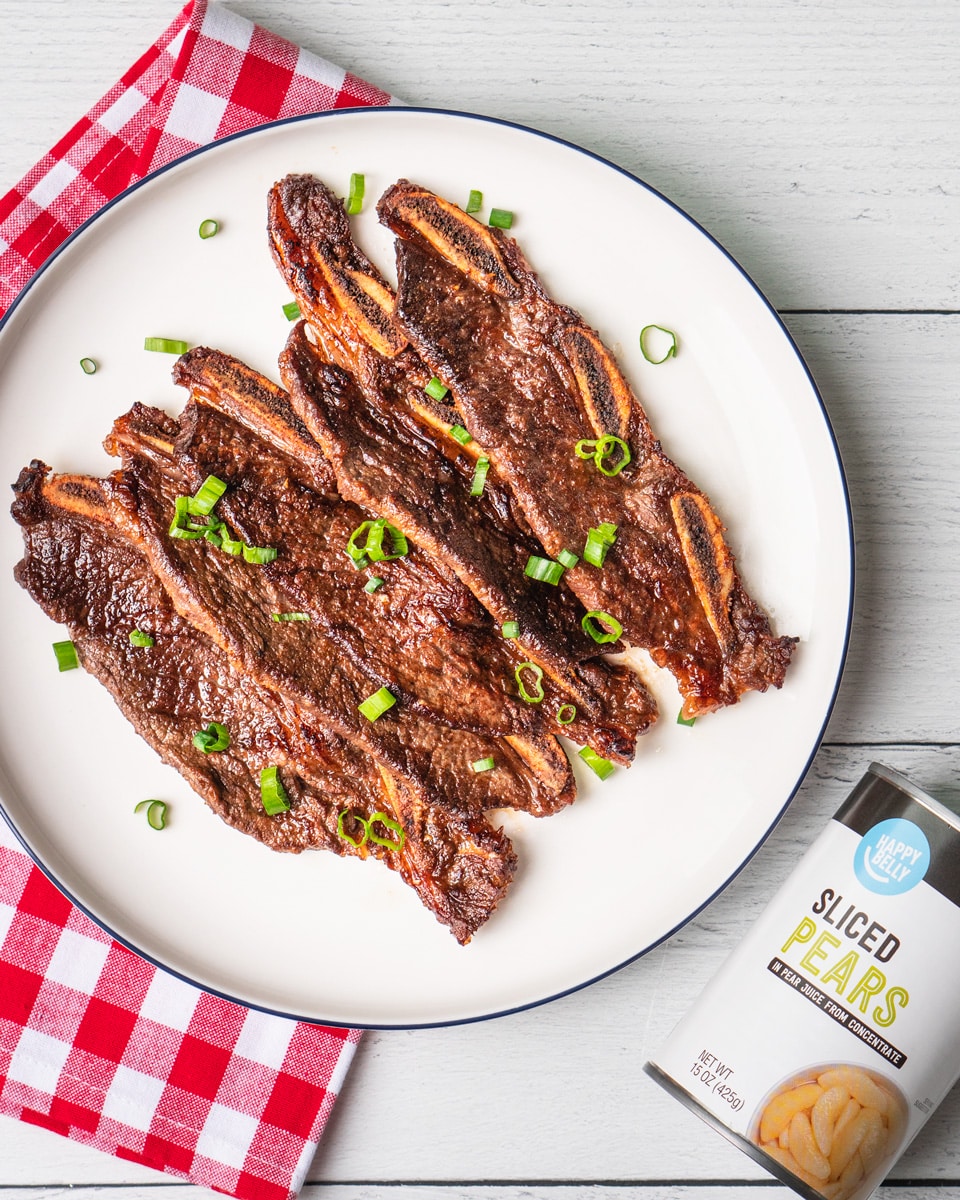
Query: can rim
x,y
688,1100
903,784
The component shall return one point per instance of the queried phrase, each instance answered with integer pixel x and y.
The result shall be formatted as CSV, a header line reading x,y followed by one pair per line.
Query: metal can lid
x,y
903,784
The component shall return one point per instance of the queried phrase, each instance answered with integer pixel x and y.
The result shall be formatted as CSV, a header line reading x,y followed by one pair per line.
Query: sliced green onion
x,y
585,449
291,616
605,448
671,349
601,626
483,764
461,434
156,812
566,558
480,476
139,638
435,389
209,228
544,569
342,833
563,710
230,545
204,500
599,541
354,201
272,795
535,696
381,818
510,629
502,218
356,552
682,720
66,653
291,310
474,201
165,345
601,767
88,366
214,738
374,547
373,584
259,554
376,705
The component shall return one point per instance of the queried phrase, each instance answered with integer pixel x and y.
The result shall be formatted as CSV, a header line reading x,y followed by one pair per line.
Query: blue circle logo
x,y
892,857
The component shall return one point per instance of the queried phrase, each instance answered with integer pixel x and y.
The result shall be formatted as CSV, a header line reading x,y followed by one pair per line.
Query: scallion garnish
x,y
156,812
139,638
374,547
483,764
566,714
204,500
291,310
165,345
373,584
510,629
209,228
602,449
543,569
354,200
474,201
213,739
342,833
356,552
66,653
259,554
566,558
502,218
88,366
682,720
480,476
601,767
291,616
599,541
272,795
436,389
461,435
671,350
381,818
376,705
228,544
601,626
537,694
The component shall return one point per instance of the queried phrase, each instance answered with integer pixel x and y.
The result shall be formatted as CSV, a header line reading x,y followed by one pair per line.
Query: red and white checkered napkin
x,y
96,1043
211,73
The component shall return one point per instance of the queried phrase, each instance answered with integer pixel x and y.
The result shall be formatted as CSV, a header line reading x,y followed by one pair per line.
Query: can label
x,y
831,1033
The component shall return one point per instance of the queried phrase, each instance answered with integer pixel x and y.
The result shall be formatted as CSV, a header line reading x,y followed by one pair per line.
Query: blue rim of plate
x,y
549,137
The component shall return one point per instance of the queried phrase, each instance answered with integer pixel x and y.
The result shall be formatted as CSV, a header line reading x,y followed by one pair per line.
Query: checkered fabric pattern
x,y
95,1043
211,74
100,1046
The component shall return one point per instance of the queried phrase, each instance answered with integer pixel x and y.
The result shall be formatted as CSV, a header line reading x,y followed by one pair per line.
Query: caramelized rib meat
x,y
531,380
85,574
232,602
360,392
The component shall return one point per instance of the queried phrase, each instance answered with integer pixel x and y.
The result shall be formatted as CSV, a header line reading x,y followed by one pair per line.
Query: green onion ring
x,y
88,366
342,833
682,720
436,389
593,623
480,476
483,764
166,345
474,201
605,447
463,436
374,547
545,570
156,812
354,201
376,705
139,638
510,629
671,350
562,719
381,818
291,310
501,218
530,697
214,738
291,616
209,228
273,797
66,653
585,449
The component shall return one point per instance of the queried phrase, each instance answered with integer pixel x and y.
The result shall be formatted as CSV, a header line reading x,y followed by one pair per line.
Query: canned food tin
x,y
832,1032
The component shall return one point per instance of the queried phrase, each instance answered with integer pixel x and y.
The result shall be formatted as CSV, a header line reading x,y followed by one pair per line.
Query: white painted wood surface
x,y
820,143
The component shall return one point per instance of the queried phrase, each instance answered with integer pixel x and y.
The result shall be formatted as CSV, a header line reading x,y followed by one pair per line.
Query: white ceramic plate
x,y
339,940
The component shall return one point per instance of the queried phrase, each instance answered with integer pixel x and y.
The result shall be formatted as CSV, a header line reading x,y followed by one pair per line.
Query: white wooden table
x,y
820,143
